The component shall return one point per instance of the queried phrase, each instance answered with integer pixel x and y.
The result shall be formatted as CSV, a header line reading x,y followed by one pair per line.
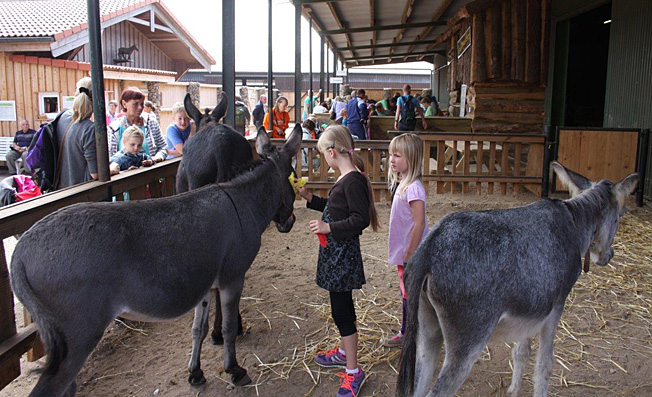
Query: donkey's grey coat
x,y
82,266
502,275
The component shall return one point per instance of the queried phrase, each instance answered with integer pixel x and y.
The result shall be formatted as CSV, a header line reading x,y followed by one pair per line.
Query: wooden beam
x,y
386,27
372,22
495,42
478,69
518,40
506,40
407,11
403,54
533,46
320,28
336,16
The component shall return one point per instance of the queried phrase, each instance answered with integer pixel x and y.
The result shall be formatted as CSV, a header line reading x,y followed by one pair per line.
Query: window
x,y
48,103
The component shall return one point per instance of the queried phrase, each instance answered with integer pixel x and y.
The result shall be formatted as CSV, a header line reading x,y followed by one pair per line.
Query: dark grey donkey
x,y
504,276
214,154
79,268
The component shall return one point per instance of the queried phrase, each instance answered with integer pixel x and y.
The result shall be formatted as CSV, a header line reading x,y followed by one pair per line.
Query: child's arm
x,y
114,168
314,202
418,209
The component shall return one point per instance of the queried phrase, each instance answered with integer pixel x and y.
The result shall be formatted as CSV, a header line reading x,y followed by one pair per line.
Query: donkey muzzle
x,y
287,226
605,257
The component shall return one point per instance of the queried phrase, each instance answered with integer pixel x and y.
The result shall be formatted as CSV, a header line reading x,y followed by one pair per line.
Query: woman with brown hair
x,y
132,102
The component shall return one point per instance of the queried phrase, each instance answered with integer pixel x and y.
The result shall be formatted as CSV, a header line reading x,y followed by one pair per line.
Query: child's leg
x,y
401,270
344,316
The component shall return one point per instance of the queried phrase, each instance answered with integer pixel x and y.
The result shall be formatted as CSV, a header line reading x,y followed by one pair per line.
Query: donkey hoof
x,y
217,338
240,379
196,378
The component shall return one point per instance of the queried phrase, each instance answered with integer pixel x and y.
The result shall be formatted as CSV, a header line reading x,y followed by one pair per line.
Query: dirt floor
x,y
603,345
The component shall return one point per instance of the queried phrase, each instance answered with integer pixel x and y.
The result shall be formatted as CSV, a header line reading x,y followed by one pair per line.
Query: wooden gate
x,y
597,153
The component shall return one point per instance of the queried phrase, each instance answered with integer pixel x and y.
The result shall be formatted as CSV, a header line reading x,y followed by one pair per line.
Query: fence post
x,y
643,143
547,149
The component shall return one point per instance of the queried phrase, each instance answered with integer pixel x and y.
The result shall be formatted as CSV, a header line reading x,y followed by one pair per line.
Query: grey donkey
x,y
503,275
215,153
79,268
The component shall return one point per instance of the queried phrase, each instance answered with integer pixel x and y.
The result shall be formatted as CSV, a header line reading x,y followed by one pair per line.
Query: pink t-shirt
x,y
401,222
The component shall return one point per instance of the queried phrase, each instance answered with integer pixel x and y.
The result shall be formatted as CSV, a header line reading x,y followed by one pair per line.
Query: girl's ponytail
x,y
373,214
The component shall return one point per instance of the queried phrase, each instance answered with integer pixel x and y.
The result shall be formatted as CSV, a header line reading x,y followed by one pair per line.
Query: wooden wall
x,y
148,56
22,80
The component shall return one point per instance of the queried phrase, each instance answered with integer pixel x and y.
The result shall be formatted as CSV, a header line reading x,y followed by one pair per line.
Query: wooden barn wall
x,y
148,56
629,72
22,82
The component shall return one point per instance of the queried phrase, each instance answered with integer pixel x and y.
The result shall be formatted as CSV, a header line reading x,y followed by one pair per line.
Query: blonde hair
x,y
132,132
82,106
179,108
411,148
339,138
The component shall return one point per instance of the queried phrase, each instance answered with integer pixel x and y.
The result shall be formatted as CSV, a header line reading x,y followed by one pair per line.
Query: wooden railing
x,y
17,218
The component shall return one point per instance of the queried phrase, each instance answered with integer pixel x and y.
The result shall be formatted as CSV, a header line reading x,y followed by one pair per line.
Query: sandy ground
x,y
603,344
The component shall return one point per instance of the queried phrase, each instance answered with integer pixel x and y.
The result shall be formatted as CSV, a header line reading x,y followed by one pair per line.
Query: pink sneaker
x,y
351,384
331,358
396,340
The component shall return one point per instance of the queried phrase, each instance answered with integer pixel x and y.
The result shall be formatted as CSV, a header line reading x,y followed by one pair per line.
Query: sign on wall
x,y
463,43
340,73
337,80
463,100
7,110
66,102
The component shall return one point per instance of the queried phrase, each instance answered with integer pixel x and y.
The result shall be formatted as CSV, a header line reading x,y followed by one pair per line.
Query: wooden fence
x,y
19,217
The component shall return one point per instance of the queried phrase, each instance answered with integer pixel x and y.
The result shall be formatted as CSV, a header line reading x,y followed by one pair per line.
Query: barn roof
x,y
60,25
364,32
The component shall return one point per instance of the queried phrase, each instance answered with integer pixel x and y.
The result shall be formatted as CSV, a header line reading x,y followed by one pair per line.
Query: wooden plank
x,y
517,166
478,68
534,167
138,193
7,317
533,42
506,40
614,161
426,160
479,164
630,143
467,165
453,167
492,165
503,167
475,178
495,41
569,152
518,39
9,370
441,164
11,85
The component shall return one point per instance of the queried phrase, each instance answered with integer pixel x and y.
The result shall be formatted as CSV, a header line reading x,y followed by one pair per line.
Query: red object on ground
x,y
322,240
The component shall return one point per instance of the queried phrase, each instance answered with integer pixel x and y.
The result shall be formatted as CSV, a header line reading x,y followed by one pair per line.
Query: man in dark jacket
x,y
259,111
19,146
357,115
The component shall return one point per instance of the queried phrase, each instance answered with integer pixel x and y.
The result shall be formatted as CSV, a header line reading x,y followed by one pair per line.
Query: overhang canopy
x,y
365,32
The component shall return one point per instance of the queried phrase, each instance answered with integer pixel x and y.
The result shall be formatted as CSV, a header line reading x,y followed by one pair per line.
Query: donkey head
x,y
282,158
601,247
202,120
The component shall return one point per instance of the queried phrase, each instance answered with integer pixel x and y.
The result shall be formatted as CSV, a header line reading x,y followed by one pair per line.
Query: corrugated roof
x,y
38,18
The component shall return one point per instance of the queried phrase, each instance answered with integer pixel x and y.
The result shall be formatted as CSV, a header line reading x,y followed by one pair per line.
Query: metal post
x,y
547,151
228,57
97,77
328,79
336,92
270,76
297,63
309,108
644,141
321,69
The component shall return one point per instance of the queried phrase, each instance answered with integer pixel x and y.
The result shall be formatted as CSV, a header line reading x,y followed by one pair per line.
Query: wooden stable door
x,y
598,154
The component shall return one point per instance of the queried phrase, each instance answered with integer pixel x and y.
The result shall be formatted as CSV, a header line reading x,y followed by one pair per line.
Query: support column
x,y
228,57
193,90
321,68
154,95
297,63
328,78
310,95
97,77
335,90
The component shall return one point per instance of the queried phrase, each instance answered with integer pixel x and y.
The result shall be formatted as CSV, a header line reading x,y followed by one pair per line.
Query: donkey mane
x,y
592,201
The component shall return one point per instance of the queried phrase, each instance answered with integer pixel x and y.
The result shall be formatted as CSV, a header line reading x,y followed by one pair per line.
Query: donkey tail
x,y
55,343
416,273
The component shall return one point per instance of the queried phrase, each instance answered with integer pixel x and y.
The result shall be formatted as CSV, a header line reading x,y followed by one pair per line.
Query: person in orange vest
x,y
280,118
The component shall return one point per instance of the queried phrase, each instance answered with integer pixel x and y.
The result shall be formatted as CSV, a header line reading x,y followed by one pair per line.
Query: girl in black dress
x,y
348,210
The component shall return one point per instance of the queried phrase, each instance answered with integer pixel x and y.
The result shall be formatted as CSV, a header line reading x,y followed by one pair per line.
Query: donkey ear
x,y
220,109
626,186
262,141
293,143
192,110
575,182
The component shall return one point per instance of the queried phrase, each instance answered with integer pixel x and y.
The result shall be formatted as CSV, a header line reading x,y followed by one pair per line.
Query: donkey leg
x,y
230,297
429,341
463,347
199,332
216,335
543,367
520,355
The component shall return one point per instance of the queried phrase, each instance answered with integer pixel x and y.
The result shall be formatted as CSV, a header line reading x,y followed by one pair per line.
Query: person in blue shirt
x,y
407,107
259,111
178,131
357,115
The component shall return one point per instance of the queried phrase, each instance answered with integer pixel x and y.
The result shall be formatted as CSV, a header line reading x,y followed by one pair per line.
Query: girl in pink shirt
x,y
408,224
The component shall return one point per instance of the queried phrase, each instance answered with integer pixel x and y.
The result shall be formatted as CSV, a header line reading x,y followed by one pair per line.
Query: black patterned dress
x,y
340,267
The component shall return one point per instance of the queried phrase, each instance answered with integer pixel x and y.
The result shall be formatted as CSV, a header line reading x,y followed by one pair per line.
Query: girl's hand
x,y
319,227
303,192
148,163
133,167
